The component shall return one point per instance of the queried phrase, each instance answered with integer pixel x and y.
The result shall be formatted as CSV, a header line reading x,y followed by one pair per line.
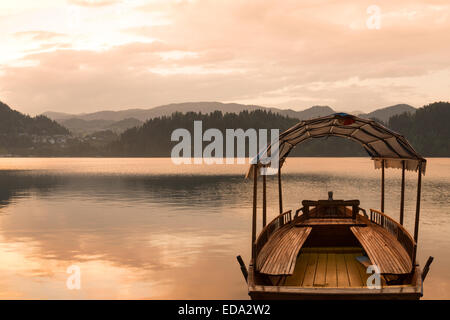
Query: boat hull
x,y
400,292
335,296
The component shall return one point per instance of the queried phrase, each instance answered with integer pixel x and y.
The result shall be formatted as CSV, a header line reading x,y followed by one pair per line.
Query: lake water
x,y
149,229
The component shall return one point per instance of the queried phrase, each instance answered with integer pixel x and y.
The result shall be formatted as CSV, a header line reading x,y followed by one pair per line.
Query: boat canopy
x,y
382,144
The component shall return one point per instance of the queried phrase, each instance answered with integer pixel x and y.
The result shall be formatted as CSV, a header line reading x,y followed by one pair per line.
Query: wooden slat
x,y
268,247
310,272
388,255
279,261
294,252
304,264
362,269
331,275
321,270
265,251
279,254
364,275
299,272
383,250
296,244
352,271
341,268
329,267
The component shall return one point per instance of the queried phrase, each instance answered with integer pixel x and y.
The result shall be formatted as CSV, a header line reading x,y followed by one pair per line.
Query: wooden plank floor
x,y
328,267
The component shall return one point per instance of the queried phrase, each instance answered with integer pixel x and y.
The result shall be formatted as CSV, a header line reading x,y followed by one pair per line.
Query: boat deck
x,y
328,267
325,252
279,256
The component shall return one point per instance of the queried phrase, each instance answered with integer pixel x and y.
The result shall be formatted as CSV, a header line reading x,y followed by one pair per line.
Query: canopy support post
x,y
416,225
280,194
402,197
382,186
264,217
255,189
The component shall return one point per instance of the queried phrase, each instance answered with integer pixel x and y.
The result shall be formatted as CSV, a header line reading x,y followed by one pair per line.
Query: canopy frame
x,y
393,152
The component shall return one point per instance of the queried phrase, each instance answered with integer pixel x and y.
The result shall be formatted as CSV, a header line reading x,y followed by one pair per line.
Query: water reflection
x,y
139,229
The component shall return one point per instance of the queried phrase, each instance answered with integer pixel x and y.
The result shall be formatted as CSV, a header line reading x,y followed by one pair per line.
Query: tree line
x,y
426,129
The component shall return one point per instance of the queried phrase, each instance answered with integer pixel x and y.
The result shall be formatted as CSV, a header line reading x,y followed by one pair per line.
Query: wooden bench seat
x,y
383,249
279,255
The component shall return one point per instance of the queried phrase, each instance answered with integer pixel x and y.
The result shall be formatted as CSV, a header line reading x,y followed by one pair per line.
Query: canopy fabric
x,y
381,143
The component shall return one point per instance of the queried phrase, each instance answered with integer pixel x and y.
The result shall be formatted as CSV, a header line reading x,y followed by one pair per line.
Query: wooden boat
x,y
333,249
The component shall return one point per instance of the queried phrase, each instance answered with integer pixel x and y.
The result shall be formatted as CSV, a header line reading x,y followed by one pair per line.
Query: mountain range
x,y
21,135
82,127
384,114
119,121
427,129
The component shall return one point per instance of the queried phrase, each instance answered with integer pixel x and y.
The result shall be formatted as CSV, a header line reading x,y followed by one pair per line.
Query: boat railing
x,y
270,228
396,229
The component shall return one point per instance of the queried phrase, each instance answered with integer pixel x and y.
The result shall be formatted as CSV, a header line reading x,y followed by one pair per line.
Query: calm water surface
x,y
148,229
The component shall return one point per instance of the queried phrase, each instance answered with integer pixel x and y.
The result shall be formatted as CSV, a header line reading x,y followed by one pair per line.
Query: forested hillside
x,y
20,133
427,130
153,138
13,123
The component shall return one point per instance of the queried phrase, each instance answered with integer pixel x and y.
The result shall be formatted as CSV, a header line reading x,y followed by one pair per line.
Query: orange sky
x,y
87,55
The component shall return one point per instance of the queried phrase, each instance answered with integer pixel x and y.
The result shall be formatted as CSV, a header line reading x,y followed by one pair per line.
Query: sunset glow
x,y
88,55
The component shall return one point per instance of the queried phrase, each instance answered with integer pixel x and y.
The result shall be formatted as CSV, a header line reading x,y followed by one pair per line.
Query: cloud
x,y
93,3
39,35
265,52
